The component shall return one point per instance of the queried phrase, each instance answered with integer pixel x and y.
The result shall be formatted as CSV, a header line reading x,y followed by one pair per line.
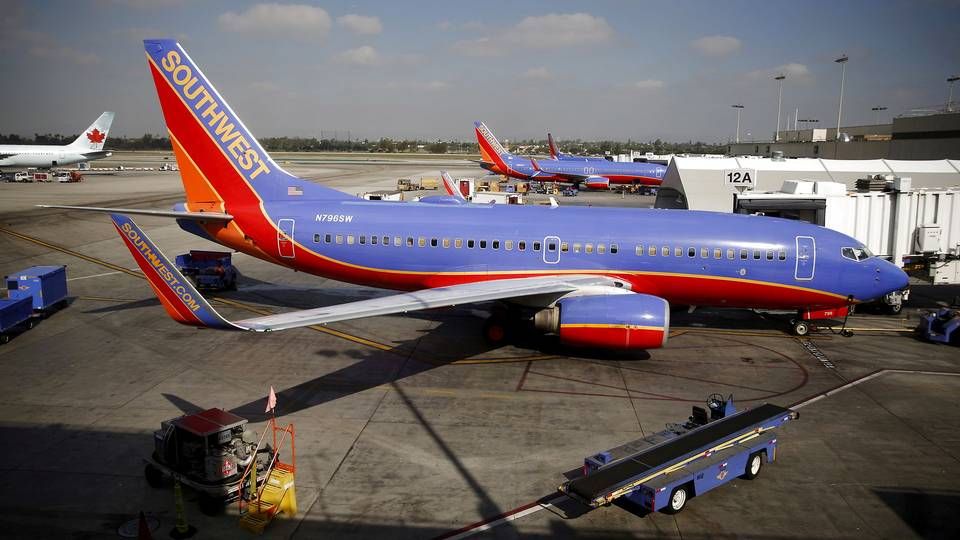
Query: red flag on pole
x,y
271,401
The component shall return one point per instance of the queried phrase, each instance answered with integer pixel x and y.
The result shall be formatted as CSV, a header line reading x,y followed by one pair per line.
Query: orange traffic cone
x,y
143,530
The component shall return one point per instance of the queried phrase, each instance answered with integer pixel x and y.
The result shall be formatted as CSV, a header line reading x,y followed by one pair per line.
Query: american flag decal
x,y
294,191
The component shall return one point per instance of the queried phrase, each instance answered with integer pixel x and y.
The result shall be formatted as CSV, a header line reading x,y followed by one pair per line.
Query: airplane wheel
x,y
495,331
801,328
894,309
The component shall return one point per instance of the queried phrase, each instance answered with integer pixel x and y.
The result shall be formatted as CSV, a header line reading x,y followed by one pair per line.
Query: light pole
x,y
843,72
738,108
951,80
779,79
876,113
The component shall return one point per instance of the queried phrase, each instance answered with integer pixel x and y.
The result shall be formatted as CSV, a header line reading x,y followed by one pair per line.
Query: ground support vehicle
x,y
663,471
211,270
31,293
940,326
209,452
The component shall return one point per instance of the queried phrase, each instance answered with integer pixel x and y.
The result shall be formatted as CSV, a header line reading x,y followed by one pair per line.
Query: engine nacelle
x,y
622,321
597,182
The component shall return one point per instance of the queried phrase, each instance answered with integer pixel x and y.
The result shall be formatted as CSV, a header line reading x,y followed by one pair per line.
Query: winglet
x,y
178,296
451,187
536,166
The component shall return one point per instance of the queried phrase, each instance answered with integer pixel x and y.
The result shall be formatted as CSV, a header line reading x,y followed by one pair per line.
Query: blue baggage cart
x,y
45,285
13,313
209,269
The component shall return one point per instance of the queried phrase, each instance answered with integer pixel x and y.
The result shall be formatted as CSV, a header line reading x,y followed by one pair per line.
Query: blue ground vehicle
x,y
941,326
34,292
212,270
663,471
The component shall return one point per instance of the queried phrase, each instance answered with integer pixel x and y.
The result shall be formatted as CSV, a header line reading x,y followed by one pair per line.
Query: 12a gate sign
x,y
740,178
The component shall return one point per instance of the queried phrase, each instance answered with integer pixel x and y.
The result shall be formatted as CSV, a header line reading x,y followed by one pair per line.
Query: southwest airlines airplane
x,y
597,277
559,156
88,146
594,173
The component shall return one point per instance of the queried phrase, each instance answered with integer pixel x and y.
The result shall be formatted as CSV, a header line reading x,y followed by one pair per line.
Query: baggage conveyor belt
x,y
606,482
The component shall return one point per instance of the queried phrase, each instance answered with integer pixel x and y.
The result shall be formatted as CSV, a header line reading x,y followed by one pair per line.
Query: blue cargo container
x,y
209,269
46,285
13,312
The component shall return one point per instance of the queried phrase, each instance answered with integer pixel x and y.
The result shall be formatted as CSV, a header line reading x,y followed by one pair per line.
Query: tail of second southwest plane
x,y
491,151
95,136
554,153
222,165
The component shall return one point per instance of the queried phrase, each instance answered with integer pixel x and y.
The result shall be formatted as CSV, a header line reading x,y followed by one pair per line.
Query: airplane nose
x,y
890,278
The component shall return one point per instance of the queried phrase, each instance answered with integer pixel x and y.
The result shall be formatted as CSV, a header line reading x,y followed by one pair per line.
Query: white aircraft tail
x,y
94,137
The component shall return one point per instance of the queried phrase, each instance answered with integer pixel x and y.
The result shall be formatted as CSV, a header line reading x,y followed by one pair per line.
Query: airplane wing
x,y
182,301
193,216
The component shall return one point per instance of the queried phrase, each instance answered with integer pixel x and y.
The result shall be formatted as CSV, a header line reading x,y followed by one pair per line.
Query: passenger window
x,y
316,239
470,244
433,242
639,250
769,254
704,253
446,242
363,239
652,251
495,244
508,245
601,249
483,244
458,243
744,254
327,238
691,252
339,238
588,248
756,254
678,252
564,247
576,247
665,251
552,246
536,246
373,240
421,241
614,249
717,253
783,255
350,239
386,241
731,253
409,241
521,245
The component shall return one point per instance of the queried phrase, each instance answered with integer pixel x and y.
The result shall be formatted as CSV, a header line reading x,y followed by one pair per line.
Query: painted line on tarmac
x,y
93,276
869,377
506,517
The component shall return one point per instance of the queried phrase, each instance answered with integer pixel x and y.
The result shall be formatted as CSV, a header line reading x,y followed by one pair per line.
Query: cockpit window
x,y
856,254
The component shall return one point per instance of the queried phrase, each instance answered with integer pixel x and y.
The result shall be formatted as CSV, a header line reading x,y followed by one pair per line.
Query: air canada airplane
x,y
597,277
594,173
87,147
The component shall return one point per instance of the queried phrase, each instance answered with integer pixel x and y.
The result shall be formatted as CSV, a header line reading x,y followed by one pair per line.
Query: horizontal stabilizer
x,y
193,216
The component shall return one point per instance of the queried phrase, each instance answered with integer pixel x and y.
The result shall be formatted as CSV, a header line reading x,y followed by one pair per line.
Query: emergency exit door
x,y
285,238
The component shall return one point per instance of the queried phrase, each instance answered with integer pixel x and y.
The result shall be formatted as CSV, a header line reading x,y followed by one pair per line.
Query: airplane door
x,y
285,238
806,258
551,249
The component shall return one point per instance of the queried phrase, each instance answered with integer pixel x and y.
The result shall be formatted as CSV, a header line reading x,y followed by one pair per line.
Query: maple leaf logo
x,y
96,136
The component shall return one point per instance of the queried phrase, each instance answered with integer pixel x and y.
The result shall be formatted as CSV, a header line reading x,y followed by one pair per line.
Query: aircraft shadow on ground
x,y
931,513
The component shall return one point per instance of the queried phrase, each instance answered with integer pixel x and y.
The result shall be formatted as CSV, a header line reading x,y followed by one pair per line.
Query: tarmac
x,y
411,426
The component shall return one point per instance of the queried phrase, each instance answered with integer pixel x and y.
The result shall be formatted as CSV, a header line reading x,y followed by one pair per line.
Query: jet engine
x,y
623,321
597,182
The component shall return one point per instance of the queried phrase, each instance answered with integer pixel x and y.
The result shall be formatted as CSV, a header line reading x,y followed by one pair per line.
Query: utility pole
x,y
843,72
738,108
951,80
779,79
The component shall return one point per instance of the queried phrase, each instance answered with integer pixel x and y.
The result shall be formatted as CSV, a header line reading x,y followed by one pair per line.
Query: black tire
x,y
801,328
4,339
30,324
153,475
210,505
754,466
894,309
495,331
678,500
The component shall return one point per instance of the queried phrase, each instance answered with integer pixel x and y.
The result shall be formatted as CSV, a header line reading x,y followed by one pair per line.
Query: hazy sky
x,y
599,69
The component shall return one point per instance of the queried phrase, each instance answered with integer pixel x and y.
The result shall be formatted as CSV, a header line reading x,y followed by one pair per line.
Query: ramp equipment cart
x,y
32,293
940,326
663,471
212,270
